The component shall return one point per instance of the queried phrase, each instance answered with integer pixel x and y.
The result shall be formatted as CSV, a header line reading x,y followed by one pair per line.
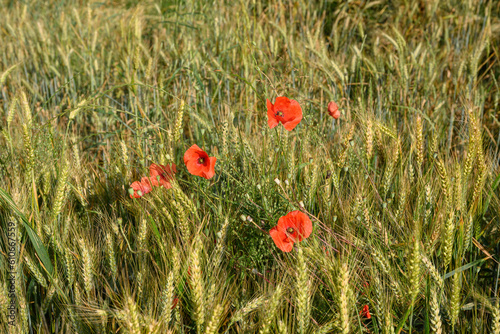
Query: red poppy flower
x,y
199,163
333,110
365,312
161,175
293,227
138,189
284,110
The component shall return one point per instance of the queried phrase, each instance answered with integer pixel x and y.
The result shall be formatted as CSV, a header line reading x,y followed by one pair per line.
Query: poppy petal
x,y
305,224
146,185
282,102
166,184
211,170
140,188
154,170
192,153
365,312
135,186
271,118
299,222
293,115
272,122
269,105
155,180
161,170
290,125
280,240
161,175
191,160
194,168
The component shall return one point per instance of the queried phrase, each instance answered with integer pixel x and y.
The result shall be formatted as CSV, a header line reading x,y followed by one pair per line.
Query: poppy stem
x,y
260,228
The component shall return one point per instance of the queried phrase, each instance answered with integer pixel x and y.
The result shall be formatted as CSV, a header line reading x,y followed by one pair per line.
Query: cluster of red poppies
x,y
197,162
289,113
291,228
160,176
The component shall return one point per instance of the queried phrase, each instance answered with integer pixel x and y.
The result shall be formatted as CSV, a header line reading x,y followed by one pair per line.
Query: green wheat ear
x,y
88,274
167,297
435,313
271,310
344,296
178,121
303,292
197,284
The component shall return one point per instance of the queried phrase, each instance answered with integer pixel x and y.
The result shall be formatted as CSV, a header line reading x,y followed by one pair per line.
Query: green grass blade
x,y
34,238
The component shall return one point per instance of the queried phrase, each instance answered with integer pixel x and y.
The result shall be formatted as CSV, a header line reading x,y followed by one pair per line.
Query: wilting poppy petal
x,y
162,175
140,188
281,240
333,110
285,111
199,163
135,187
365,312
159,175
146,184
155,181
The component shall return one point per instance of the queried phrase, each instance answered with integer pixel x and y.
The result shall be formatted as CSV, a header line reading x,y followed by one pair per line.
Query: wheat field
x,y
402,190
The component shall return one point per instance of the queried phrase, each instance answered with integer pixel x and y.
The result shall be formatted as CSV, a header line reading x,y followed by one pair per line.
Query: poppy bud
x,y
333,110
365,312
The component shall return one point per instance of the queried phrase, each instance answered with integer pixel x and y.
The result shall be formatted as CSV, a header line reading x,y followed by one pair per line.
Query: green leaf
x,y
40,249
302,165
462,268
154,227
5,74
403,320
